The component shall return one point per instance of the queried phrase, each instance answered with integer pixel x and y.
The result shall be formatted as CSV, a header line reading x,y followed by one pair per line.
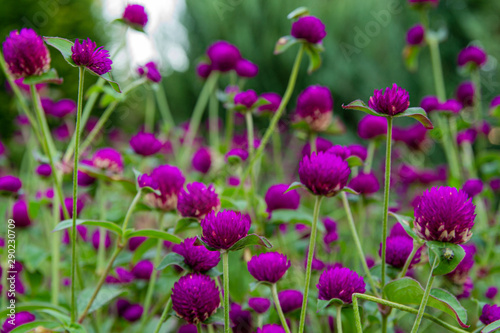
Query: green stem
x,y
425,298
164,315
359,248
198,327
251,153
387,185
339,319
56,256
101,251
213,110
277,155
369,157
149,123
229,129
478,107
161,99
310,255
449,147
312,142
416,246
225,272
469,159
274,291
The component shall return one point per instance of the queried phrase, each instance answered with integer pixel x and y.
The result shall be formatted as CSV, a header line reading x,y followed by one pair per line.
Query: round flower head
x,y
331,234
223,229
370,127
96,239
465,93
135,242
398,230
429,103
83,178
445,214
398,251
460,274
276,198
392,101
202,160
269,266
61,133
259,304
150,70
87,54
473,55
495,184
146,180
10,184
203,70
145,144
451,106
170,181
246,98
491,293
290,300
468,135
195,297
61,108
198,200
20,318
415,35
359,151
44,170
241,153
143,270
271,328
20,214
68,202
324,174
82,231
341,283
197,257
135,15
246,68
133,312
322,145
309,28
340,151
365,183
484,128
241,320
274,100
108,159
223,55
123,276
473,187
314,106
25,53
413,136
490,314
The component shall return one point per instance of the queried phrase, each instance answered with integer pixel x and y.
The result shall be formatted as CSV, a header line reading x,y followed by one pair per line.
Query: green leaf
x,y
298,12
34,209
213,272
35,306
106,294
250,240
76,328
361,106
407,223
137,27
102,224
254,285
152,233
314,59
34,324
143,248
60,317
323,304
229,203
491,327
409,291
350,190
291,216
217,317
47,77
448,256
62,45
109,78
495,112
284,43
171,259
354,161
199,241
294,186
418,114
186,223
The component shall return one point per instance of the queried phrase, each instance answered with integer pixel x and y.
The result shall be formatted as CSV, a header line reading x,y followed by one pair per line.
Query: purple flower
x,y
331,234
25,53
274,100
467,288
223,229
371,127
241,319
468,135
135,242
241,153
223,55
491,292
290,300
133,312
392,101
495,102
429,103
398,250
143,270
197,257
202,160
146,180
246,98
358,150
61,133
271,328
322,145
170,181
413,136
96,239
68,202
44,170
490,314
340,283
415,35
198,200
472,54
83,178
309,28
276,198
20,214
10,184
315,106
151,71
135,15
324,174
365,183
465,93
195,297
82,231
20,318
188,328
203,70
59,109
246,68
145,144
461,272
473,187
495,184
259,304
108,159
87,54
445,214
269,266
398,230
340,151
451,106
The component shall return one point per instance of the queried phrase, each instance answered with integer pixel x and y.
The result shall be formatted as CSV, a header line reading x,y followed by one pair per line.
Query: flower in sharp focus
x,y
195,298
490,314
197,257
473,55
445,214
370,127
290,300
223,229
143,270
269,266
198,200
20,318
202,160
151,71
246,68
465,93
223,56
276,198
20,214
415,35
259,304
87,54
271,328
315,107
108,159
135,15
309,28
365,183
461,272
10,184
473,187
391,101
324,174
145,144
340,283
146,180
170,181
398,250
25,53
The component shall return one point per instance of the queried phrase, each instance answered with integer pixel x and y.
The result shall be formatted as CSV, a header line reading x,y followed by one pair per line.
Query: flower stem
x,y
251,153
225,272
369,157
387,185
359,248
213,110
310,255
478,107
274,291
339,319
164,315
165,112
278,162
56,256
149,122
101,251
229,129
425,298
416,246
198,327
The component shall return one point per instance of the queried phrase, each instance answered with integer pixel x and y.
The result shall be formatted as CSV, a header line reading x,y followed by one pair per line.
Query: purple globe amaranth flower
x,y
10,184
145,144
146,180
315,106
468,135
490,314
276,198
495,184
241,320
322,145
331,234
85,179
87,54
269,266
465,93
170,181
188,328
460,274
259,304
44,170
324,174
491,292
274,100
316,264
445,214
198,200
413,136
68,202
96,239
143,270
133,312
246,68
108,159
203,70
223,55
61,108
123,276
340,151
197,257
472,54
290,300
473,187
495,102
25,53
241,153
370,127
451,106
20,214
223,229
271,328
20,318
358,150
392,101
202,160
408,174
340,283
62,132
467,288
246,99
415,35
398,250
429,103
135,15
484,128
309,28
397,230
365,183
121,306
151,71
135,242
195,297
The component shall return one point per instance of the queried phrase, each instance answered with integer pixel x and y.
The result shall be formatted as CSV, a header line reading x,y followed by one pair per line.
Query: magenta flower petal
x,y
87,54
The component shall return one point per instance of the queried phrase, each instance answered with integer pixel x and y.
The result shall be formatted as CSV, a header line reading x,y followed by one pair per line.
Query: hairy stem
x,y
274,291
387,185
425,298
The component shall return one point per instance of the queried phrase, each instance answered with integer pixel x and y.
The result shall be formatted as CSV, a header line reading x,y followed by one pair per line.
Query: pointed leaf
x,y
284,43
298,12
109,78
142,249
407,223
35,306
350,190
170,259
199,241
106,294
361,106
29,327
449,256
291,216
314,59
62,45
47,77
418,114
294,186
213,272
103,224
186,223
137,27
217,317
354,161
491,327
323,304
250,240
152,233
